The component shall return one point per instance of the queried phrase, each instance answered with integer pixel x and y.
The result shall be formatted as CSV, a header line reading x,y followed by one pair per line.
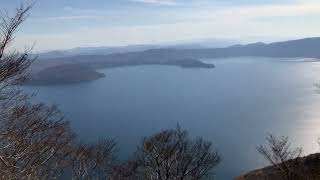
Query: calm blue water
x,y
234,105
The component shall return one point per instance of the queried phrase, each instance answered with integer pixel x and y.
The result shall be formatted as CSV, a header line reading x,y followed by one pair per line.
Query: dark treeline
x,y
36,142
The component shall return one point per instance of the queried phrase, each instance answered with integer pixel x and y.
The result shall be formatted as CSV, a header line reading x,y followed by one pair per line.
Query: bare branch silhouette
x,y
93,161
34,142
279,153
13,64
171,154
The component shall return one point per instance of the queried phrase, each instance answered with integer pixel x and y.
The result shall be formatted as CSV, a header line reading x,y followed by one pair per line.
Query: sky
x,y
63,24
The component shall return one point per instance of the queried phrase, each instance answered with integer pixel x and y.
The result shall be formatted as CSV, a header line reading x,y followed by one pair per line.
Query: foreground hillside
x,y
310,170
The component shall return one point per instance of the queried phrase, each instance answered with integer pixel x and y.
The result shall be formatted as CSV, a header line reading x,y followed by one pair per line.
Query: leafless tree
x,y
93,161
172,155
13,64
127,170
279,153
34,139
34,143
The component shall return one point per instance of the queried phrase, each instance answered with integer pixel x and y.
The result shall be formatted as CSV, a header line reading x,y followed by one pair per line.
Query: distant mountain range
x,y
187,58
200,44
304,48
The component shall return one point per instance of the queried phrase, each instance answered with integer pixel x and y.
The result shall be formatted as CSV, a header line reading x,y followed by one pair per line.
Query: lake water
x,y
233,105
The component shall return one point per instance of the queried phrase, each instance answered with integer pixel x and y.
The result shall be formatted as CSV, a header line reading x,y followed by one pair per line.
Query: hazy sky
x,y
58,24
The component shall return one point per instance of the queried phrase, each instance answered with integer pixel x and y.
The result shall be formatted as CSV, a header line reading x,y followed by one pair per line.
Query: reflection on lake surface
x,y
234,105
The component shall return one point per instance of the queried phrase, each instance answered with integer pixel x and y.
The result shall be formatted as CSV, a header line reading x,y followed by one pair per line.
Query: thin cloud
x,y
68,8
158,2
249,13
72,17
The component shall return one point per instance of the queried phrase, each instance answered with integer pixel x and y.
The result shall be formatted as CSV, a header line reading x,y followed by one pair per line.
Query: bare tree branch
x,y
13,64
171,154
34,142
279,153
93,161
